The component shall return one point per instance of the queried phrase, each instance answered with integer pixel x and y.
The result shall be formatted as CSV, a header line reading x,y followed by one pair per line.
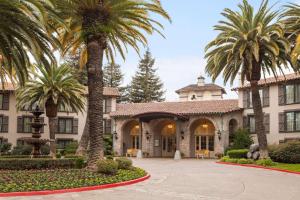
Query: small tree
x,y
146,86
242,139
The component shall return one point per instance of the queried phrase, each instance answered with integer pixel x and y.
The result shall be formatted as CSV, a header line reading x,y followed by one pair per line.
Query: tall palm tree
x,y
251,43
23,33
291,19
102,28
51,88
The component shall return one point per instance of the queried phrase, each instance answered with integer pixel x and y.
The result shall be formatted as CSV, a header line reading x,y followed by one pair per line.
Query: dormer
x,y
201,91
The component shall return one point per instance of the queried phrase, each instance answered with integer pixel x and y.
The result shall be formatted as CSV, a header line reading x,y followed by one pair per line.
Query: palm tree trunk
x,y
84,140
95,101
52,125
259,120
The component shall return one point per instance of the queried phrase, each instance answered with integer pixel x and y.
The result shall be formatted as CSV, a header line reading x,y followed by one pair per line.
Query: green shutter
x,y
266,97
281,121
281,94
5,124
75,126
20,124
267,123
5,105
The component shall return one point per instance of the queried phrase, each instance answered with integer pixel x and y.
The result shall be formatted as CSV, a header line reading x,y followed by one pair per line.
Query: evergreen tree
x,y
146,86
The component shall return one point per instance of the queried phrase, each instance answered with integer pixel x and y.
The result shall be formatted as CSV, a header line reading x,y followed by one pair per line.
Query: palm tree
x,y
253,44
102,28
291,20
51,88
23,35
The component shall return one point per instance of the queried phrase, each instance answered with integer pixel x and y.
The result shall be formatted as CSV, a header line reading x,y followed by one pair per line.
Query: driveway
x,y
195,180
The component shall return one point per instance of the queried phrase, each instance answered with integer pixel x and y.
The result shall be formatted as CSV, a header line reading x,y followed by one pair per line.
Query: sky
x,y
180,56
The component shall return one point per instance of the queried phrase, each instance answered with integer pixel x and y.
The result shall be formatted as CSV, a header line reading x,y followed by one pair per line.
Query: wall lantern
x,y
148,136
219,134
115,135
182,135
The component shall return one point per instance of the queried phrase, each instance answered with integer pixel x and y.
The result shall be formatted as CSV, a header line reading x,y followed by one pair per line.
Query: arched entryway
x,y
233,125
131,137
202,136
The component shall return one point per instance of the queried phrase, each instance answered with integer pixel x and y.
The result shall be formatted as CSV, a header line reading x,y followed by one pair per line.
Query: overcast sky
x,y
179,57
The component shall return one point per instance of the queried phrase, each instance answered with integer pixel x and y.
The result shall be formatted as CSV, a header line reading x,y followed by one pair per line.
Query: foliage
x,y
245,161
108,144
124,163
290,167
37,180
22,150
146,86
23,36
285,153
5,147
40,163
238,153
265,162
224,159
45,149
109,167
71,148
242,139
109,157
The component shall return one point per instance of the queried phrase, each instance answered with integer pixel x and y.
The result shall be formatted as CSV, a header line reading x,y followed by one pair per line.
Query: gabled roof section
x,y
196,88
178,108
272,81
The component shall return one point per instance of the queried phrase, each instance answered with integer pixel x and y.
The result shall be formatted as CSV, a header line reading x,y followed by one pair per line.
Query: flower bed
x,y
38,180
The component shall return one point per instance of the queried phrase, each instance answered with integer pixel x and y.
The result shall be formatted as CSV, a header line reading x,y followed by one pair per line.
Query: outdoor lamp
x,y
182,135
219,134
148,135
116,135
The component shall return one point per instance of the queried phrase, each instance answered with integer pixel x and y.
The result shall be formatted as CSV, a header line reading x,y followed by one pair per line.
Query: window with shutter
x,y
281,96
245,99
4,125
292,121
107,126
75,126
19,124
65,125
245,122
267,123
266,98
281,120
24,124
4,101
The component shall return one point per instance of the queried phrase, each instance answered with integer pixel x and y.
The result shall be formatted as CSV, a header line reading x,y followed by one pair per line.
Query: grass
x,y
37,180
290,167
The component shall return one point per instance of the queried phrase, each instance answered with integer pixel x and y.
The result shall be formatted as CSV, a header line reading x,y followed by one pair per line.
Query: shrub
x,y
5,148
22,150
242,139
265,162
58,155
108,144
109,167
39,163
109,157
232,160
285,153
124,163
71,148
45,149
224,159
237,153
245,161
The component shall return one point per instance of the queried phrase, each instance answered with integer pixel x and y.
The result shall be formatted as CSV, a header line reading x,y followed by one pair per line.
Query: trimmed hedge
x,y
237,153
40,163
124,163
285,153
109,167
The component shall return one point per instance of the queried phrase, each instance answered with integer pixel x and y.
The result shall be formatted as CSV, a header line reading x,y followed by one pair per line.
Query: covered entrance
x,y
168,134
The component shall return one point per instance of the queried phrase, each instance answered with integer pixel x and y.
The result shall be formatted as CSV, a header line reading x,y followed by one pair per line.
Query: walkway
x,y
195,180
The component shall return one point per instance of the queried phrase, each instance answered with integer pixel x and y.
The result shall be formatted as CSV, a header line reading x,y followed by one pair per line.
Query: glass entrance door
x,y
168,146
204,143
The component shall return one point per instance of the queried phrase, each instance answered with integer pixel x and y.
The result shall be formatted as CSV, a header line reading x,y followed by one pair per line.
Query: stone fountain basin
x,y
31,140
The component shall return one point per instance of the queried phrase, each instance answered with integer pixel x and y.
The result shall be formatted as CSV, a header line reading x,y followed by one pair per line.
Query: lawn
x,y
37,180
290,167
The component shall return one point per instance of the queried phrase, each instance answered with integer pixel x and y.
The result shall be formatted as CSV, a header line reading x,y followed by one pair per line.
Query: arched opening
x,y
233,125
131,137
202,137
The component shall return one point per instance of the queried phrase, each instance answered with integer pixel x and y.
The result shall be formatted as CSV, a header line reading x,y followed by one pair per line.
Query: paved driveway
x,y
195,180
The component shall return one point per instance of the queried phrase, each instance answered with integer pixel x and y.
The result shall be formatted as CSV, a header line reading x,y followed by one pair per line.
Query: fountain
x,y
35,140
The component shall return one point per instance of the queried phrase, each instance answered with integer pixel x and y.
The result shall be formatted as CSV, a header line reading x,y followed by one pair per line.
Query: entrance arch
x,y
202,136
131,137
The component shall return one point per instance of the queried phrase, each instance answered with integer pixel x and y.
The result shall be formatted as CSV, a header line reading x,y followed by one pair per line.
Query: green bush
x,y
5,148
224,159
242,139
58,155
265,162
45,149
245,161
237,153
232,160
285,153
108,144
109,157
22,156
124,163
109,167
39,163
22,150
71,148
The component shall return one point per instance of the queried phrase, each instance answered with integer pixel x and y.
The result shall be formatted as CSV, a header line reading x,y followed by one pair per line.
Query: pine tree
x,y
146,85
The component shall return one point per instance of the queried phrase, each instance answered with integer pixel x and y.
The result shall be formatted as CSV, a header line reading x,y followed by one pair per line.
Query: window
x,y
292,93
4,101
3,124
23,124
250,103
135,141
107,126
292,121
252,124
107,105
205,143
62,143
65,125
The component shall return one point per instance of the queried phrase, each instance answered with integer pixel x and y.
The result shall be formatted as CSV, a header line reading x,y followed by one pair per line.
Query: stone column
x,y
140,153
177,155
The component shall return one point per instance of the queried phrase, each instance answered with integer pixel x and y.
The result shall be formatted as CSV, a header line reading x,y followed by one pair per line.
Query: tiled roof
x,y
181,108
195,87
107,91
272,80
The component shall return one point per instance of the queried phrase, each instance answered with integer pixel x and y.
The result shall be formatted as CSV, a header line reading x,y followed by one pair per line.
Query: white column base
x,y
177,155
139,154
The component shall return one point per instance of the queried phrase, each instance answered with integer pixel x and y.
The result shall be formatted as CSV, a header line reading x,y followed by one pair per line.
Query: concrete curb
x,y
259,167
97,187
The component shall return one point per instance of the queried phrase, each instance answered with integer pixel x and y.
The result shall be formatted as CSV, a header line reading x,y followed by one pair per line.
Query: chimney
x,y
201,81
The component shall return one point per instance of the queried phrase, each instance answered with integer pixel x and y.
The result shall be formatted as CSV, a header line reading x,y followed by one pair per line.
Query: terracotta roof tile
x,y
182,108
272,80
7,86
195,87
